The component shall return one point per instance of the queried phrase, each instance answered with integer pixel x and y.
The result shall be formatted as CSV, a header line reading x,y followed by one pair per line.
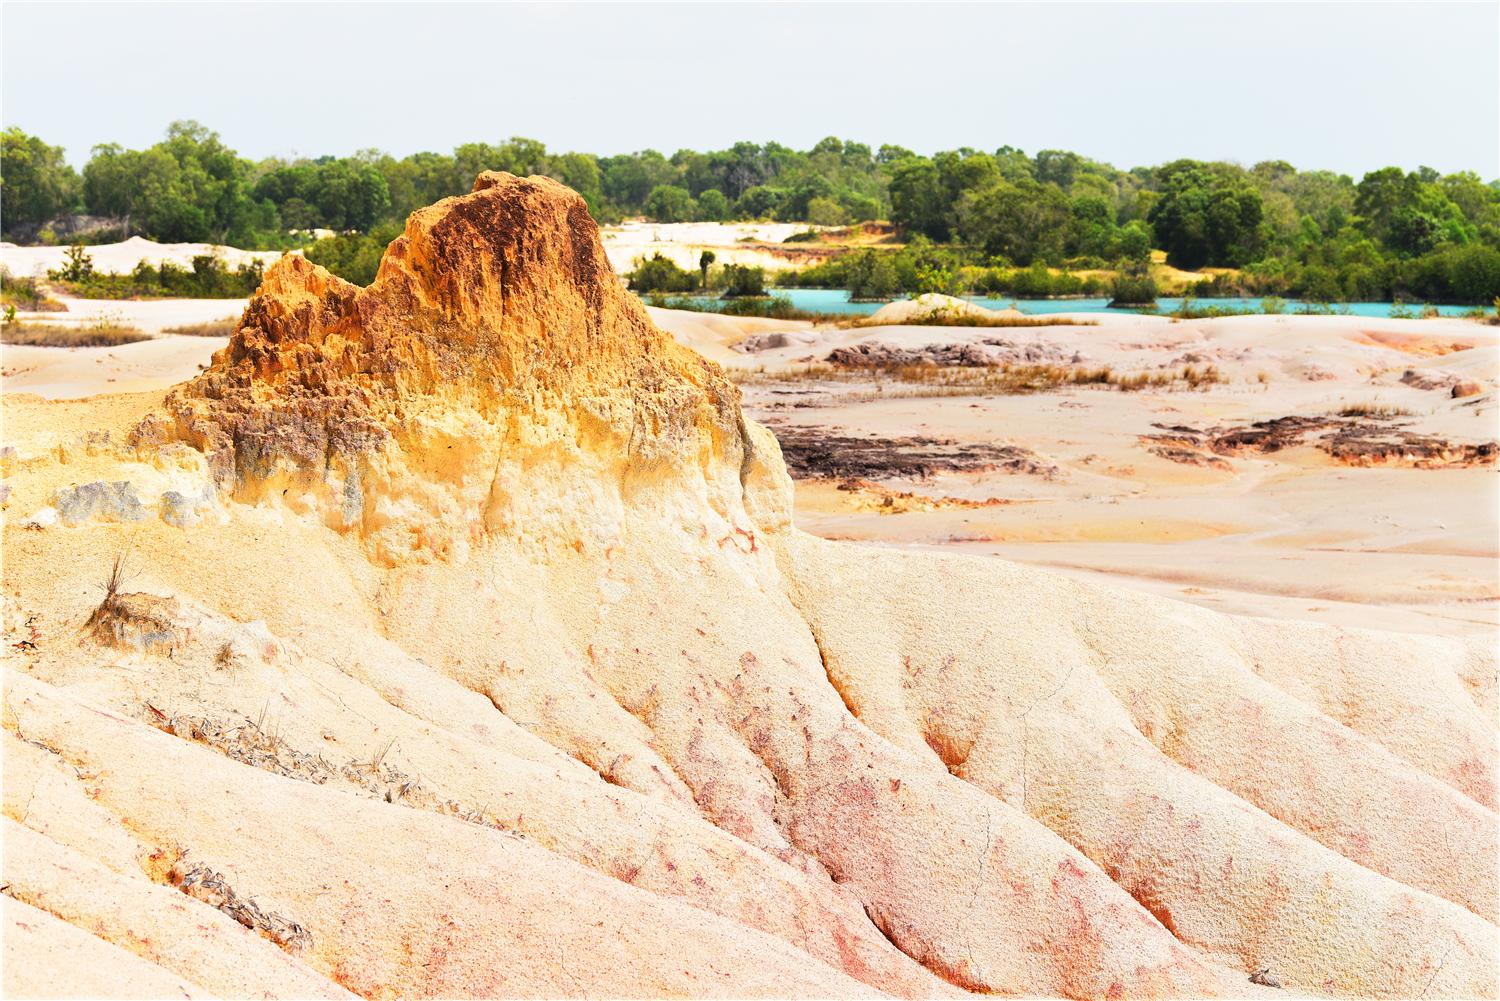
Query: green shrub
x,y
209,278
659,274
1133,290
354,257
774,308
741,280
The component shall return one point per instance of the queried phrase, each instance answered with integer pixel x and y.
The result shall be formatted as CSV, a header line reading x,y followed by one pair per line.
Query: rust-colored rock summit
x,y
495,339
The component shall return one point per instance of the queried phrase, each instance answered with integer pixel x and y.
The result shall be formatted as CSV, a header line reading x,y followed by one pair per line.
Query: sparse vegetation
x,y
109,607
966,320
774,308
101,334
1133,290
1376,410
202,883
1010,379
209,278
213,328
25,294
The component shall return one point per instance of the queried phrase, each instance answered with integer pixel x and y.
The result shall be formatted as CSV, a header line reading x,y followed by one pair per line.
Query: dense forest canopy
x,y
1312,232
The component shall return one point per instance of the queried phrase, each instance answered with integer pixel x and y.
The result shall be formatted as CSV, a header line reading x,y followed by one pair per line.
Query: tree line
x,y
1281,229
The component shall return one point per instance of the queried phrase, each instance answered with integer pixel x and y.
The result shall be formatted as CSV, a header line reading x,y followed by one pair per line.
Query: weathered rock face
x,y
495,375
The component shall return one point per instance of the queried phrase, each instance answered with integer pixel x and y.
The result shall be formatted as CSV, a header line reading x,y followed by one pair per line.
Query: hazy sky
x,y
1347,87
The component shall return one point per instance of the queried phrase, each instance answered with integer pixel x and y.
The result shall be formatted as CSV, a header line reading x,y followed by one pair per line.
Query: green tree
x,y
1206,216
211,198
1022,222
919,202
1474,273
1057,167
354,257
1135,241
759,202
130,185
872,275
713,206
825,212
659,274
1408,213
36,183
350,195
743,280
579,171
669,203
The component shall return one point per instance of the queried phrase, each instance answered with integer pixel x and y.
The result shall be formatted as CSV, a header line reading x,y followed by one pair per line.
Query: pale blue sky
x,y
1347,87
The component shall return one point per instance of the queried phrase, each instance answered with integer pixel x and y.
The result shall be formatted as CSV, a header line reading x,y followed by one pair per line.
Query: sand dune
x,y
121,258
464,645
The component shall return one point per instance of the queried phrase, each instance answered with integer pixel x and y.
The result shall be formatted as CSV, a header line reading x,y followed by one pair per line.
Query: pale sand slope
x,y
684,242
931,306
121,258
480,657
70,373
150,315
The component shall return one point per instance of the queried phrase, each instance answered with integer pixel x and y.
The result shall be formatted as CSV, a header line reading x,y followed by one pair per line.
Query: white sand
x,y
935,305
121,258
684,242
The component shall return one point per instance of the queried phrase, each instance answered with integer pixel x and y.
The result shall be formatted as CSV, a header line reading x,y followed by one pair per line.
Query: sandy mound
x,y
464,646
121,258
933,306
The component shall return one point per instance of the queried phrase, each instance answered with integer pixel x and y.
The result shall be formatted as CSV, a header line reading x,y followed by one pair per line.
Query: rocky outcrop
x,y
98,501
494,356
1351,441
819,453
987,351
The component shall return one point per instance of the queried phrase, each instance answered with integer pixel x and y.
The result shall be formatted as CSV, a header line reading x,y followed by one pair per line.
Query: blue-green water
x,y
832,300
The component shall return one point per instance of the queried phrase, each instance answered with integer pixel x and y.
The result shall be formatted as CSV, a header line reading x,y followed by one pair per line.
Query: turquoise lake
x,y
829,300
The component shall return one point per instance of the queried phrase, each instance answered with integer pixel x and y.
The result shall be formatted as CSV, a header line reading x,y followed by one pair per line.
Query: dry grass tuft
x,y
202,883
48,335
1376,410
249,743
213,328
965,320
110,585
1008,379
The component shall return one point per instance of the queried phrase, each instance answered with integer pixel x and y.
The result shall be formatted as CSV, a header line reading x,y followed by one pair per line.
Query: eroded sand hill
x,y
463,645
